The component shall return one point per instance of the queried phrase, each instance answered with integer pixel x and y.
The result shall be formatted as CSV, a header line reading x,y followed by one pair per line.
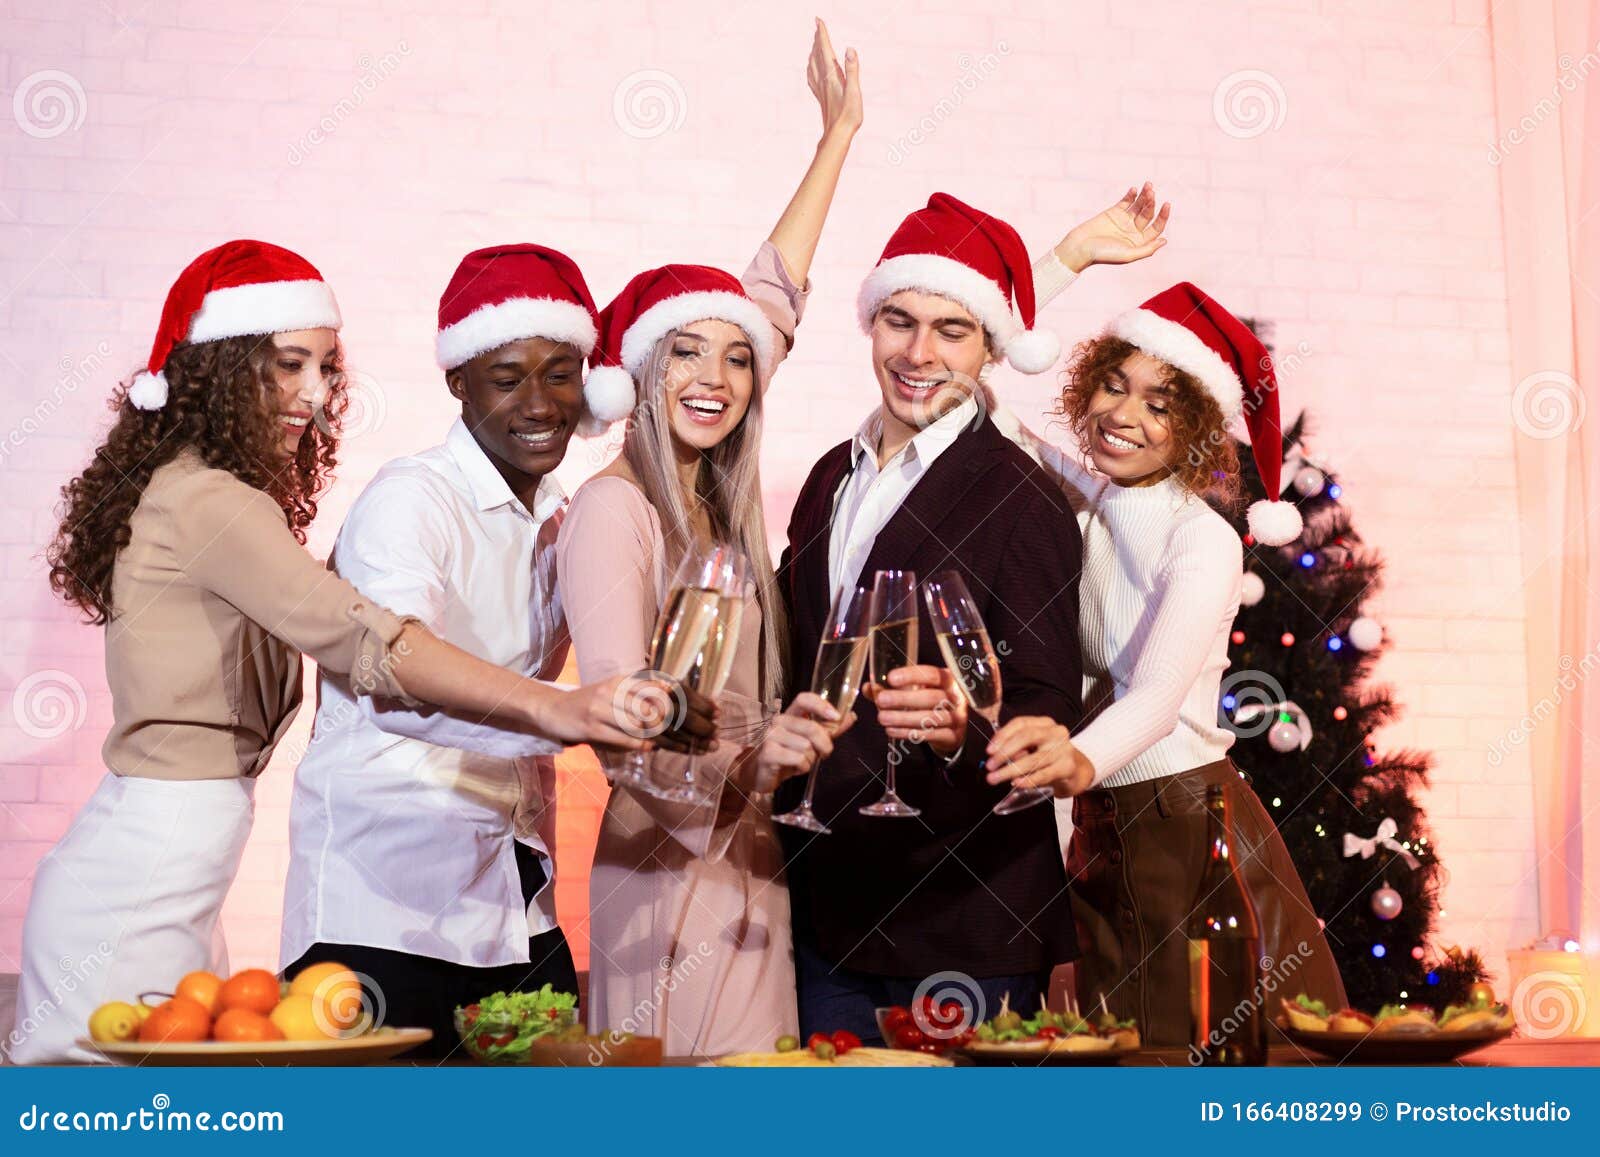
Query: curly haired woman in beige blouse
x,y
184,539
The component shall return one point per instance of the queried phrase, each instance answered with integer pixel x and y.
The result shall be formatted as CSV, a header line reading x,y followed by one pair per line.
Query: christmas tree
x,y
1297,695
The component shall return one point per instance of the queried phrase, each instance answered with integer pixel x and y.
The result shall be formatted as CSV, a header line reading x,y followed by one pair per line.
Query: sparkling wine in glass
x,y
705,614
893,644
964,642
835,679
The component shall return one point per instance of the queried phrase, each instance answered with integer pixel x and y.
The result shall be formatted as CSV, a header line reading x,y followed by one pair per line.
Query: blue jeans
x,y
833,998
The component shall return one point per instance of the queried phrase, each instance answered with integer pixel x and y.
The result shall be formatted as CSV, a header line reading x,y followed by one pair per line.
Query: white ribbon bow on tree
x,y
1385,836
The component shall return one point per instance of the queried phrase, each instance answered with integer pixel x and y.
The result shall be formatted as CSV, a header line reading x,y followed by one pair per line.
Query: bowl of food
x,y
501,1028
1396,1033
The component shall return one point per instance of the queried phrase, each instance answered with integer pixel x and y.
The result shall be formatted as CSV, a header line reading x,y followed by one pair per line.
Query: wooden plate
x,y
356,1050
1041,1053
1386,1048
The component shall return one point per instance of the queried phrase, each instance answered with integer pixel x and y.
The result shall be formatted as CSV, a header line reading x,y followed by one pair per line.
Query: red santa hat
x,y
1184,327
654,304
238,289
507,293
955,251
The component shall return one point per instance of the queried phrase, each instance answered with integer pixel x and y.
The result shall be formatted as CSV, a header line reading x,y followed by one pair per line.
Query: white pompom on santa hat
x,y
953,250
654,304
238,289
1188,329
507,293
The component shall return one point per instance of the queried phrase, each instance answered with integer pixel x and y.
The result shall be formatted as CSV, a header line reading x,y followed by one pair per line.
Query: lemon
x,y
299,1017
116,1021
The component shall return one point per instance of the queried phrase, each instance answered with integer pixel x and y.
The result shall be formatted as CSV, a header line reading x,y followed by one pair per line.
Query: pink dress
x,y
688,916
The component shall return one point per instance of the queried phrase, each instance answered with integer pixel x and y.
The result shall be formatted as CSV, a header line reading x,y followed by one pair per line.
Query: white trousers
x,y
127,903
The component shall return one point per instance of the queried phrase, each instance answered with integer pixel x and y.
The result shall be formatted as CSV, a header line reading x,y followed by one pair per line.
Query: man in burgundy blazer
x,y
882,904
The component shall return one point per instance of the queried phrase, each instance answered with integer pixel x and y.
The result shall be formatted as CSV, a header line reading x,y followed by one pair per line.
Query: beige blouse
x,y
214,601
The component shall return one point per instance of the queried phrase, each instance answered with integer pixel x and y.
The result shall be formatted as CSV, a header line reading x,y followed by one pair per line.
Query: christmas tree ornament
x,y
1481,994
1309,481
1386,902
1290,728
1365,634
1252,590
1237,637
1384,837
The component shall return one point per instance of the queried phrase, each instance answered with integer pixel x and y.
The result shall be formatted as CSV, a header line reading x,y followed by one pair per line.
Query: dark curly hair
x,y
1202,454
216,403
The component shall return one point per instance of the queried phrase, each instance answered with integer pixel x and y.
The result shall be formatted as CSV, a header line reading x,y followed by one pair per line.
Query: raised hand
x,y
1130,230
837,89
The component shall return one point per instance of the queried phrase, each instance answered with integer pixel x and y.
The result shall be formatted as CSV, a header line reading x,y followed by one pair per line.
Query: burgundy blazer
x,y
957,887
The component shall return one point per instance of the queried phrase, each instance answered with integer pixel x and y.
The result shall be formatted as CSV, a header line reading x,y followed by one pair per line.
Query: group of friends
x,y
421,825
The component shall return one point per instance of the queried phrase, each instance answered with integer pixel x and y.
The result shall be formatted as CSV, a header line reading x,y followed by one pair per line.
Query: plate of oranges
x,y
321,1017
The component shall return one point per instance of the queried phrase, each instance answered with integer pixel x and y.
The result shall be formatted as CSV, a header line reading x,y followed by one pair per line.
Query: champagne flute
x,y
835,679
893,644
705,612
680,617
964,643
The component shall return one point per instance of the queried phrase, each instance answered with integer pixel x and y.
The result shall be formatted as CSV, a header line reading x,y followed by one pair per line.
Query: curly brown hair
x,y
217,402
1201,455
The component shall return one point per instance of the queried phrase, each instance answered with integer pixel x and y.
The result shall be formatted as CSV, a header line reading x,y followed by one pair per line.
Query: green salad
x,y
502,1025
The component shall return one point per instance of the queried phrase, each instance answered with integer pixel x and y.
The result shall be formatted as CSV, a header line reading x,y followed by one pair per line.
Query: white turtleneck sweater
x,y
1161,578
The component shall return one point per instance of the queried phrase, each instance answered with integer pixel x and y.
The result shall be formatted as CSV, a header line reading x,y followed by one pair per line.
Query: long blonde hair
x,y
728,485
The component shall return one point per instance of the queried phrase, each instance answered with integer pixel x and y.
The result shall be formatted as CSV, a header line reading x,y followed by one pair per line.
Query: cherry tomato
x,y
844,1041
505,1038
472,1012
818,1037
1048,1032
896,1019
484,1041
909,1037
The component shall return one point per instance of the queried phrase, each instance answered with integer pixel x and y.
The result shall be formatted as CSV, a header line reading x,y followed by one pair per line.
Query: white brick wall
x,y
1366,224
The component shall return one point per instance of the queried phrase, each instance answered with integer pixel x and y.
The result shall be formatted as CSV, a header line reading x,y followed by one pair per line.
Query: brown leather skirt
x,y
1135,861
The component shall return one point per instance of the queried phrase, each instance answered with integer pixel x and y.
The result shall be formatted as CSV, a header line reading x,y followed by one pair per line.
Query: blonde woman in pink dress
x,y
689,914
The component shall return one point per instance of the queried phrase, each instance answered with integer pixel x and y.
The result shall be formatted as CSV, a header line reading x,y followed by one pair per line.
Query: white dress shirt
x,y
401,823
869,496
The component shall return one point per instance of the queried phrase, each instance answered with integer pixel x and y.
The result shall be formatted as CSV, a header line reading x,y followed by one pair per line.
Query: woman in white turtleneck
x,y
1148,403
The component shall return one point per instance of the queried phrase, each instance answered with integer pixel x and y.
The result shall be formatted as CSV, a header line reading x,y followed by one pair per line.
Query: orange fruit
x,y
202,988
254,990
335,988
240,1024
178,1019
298,1017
